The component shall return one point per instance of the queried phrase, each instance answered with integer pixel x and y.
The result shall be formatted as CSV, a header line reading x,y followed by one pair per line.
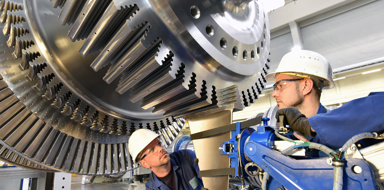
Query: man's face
x,y
287,93
154,155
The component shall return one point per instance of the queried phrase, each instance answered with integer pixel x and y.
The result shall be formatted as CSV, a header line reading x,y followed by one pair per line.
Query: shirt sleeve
x,y
357,116
192,157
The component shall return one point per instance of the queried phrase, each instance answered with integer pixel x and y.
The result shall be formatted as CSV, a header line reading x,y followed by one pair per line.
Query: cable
x,y
284,138
338,162
338,174
322,148
240,161
265,180
289,150
254,182
300,136
356,138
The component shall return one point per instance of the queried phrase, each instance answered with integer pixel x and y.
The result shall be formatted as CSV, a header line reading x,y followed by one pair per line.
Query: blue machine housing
x,y
288,172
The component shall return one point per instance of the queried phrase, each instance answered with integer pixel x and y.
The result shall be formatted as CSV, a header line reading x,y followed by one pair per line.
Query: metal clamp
x,y
338,163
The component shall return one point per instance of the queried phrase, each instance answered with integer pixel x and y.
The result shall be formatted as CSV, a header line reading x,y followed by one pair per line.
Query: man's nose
x,y
159,148
274,93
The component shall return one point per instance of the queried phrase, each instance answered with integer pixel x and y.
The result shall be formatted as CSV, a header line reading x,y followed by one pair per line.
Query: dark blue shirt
x,y
186,173
357,116
321,110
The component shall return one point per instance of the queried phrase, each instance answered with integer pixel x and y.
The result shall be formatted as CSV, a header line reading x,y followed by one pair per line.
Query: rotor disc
x,y
81,76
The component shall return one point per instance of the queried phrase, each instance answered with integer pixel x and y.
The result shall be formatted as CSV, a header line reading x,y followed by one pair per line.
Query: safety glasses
x,y
152,149
280,84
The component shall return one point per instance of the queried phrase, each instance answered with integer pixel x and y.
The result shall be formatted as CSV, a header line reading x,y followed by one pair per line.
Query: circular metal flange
x,y
92,72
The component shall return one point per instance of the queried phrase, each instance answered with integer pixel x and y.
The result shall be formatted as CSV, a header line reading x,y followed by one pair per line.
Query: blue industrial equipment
x,y
255,146
180,143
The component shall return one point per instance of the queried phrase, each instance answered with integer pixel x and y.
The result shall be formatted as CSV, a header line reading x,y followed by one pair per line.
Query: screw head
x,y
357,169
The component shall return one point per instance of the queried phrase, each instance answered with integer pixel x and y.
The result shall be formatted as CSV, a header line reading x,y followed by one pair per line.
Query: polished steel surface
x,y
81,75
207,149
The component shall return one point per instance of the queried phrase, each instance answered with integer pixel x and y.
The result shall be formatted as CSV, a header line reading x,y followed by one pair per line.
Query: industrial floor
x,y
76,185
100,186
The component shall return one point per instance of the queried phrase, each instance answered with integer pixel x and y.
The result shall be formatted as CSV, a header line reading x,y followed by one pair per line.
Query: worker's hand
x,y
294,118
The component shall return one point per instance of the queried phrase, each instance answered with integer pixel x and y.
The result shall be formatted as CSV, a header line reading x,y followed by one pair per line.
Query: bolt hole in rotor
x,y
245,54
210,30
235,52
223,43
252,54
195,12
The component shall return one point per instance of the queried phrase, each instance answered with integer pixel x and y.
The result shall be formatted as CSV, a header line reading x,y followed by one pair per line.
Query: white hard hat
x,y
139,140
306,63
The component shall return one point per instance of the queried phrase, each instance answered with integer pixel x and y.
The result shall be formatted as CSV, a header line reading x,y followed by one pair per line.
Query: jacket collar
x,y
175,167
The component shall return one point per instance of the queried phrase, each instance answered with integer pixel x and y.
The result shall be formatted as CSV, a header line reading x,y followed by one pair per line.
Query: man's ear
x,y
144,164
308,85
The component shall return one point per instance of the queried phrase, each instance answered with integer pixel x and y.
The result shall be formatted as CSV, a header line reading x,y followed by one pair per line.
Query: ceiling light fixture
x,y
340,78
371,71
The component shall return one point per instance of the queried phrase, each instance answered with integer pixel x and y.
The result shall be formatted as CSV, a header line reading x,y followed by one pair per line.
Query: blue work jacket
x,y
357,116
186,173
321,110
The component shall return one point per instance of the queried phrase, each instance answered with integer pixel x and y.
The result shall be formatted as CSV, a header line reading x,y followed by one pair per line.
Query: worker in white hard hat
x,y
177,170
299,80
